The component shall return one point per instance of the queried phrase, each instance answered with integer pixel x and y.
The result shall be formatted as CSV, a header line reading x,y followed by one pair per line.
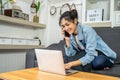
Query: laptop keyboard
x,y
68,71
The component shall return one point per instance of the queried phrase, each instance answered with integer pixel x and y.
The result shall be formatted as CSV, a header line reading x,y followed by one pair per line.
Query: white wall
x,y
53,30
18,31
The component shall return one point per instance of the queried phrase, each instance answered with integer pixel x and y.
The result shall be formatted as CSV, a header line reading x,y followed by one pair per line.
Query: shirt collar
x,y
80,32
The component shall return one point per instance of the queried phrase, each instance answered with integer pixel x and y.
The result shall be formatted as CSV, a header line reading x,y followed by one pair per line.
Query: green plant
x,y
3,3
0,2
7,1
37,6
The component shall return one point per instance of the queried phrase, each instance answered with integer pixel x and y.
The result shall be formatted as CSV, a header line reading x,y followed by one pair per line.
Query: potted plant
x,y
2,5
36,17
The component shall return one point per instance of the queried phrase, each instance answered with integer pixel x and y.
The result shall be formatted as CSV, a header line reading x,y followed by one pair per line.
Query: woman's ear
x,y
75,21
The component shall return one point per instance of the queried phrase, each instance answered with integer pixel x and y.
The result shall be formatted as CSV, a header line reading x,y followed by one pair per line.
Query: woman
x,y
82,39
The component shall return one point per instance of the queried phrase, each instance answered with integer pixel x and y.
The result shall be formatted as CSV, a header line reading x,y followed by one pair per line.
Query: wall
x,y
18,31
53,29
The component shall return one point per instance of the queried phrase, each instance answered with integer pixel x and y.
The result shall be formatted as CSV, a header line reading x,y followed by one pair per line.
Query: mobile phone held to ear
x,y
67,34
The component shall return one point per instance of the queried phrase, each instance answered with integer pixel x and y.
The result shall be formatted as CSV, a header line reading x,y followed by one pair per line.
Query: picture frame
x,y
95,15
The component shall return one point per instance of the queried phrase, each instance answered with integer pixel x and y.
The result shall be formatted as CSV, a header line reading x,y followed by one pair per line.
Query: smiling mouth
x,y
68,31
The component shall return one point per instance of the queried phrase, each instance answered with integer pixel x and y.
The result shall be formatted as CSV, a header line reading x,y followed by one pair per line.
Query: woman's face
x,y
68,26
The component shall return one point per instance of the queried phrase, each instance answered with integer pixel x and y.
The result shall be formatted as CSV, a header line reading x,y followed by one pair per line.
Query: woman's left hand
x,y
68,65
72,63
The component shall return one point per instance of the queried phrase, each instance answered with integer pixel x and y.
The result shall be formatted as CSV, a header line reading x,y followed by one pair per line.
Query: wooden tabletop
x,y
35,74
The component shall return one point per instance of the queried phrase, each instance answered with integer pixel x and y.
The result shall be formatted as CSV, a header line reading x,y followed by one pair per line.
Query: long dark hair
x,y
69,15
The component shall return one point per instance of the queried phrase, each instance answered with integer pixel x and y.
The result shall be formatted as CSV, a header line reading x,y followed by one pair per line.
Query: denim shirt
x,y
92,42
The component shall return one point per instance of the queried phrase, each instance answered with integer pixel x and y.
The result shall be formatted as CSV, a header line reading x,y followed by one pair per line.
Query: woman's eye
x,y
62,26
67,24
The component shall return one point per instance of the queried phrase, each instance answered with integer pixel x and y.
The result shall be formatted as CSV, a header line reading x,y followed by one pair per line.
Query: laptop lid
x,y
50,61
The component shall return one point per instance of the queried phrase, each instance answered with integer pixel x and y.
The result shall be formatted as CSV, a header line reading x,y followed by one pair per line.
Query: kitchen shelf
x,y
21,22
6,46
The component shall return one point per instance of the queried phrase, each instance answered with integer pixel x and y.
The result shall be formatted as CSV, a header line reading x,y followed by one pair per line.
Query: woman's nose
x,y
65,27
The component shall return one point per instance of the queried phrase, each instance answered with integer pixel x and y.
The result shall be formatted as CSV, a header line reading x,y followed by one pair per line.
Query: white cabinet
x,y
116,12
116,18
16,41
19,43
4,40
110,14
33,42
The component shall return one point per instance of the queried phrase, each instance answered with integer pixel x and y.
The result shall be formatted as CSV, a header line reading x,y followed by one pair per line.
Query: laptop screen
x,y
50,61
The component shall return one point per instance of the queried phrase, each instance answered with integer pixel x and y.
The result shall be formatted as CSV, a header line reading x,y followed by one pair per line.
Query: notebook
x,y
52,61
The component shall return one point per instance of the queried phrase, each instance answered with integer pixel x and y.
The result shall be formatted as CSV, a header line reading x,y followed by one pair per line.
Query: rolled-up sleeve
x,y
69,50
90,39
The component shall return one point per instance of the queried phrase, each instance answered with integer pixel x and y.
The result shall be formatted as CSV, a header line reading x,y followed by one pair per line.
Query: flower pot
x,y
36,18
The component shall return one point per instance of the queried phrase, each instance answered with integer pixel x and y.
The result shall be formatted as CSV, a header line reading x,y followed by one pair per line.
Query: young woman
x,y
83,40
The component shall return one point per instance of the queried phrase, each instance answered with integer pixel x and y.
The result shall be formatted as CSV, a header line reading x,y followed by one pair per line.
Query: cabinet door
x,y
117,18
4,40
19,41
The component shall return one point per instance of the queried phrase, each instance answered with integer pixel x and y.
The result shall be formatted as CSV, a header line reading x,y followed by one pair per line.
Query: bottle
x,y
33,7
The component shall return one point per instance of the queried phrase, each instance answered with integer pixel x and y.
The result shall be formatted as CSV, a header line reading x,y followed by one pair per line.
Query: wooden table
x,y
35,74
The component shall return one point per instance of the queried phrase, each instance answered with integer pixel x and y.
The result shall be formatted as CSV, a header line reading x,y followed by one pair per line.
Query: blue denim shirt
x,y
92,42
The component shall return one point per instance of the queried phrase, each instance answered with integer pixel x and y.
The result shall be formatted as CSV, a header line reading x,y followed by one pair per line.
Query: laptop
x,y
52,61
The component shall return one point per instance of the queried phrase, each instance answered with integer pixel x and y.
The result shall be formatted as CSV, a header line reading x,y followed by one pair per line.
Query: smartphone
x,y
67,34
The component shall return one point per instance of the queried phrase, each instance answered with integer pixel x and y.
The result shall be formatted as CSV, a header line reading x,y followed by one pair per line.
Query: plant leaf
x,y
0,1
37,6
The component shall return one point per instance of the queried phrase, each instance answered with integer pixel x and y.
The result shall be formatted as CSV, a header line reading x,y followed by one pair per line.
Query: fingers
x,y
68,66
63,32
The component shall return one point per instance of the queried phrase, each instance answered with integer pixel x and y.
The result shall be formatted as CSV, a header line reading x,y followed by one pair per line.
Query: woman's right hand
x,y
63,33
67,39
68,65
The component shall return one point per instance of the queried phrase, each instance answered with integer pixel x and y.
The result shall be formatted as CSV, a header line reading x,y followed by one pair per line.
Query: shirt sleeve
x,y
90,40
69,50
